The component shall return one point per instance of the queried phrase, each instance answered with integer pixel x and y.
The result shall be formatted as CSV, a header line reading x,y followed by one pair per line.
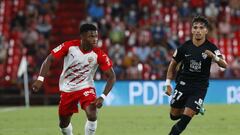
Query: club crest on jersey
x,y
204,55
90,59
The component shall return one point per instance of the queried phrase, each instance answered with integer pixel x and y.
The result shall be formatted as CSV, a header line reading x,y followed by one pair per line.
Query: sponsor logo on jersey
x,y
58,48
195,66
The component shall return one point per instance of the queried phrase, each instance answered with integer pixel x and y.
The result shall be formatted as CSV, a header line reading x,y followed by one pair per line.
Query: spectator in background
x,y
31,10
211,11
132,35
96,10
183,8
157,32
43,27
19,20
129,60
144,19
224,27
30,39
117,32
104,28
197,6
131,17
142,52
117,53
117,9
158,62
134,72
42,48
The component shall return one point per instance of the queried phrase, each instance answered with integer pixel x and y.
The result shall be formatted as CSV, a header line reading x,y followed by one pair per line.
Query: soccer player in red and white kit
x,y
81,60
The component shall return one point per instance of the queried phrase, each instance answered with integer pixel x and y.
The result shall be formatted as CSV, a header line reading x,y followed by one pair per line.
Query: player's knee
x,y
173,117
63,124
189,112
92,117
64,121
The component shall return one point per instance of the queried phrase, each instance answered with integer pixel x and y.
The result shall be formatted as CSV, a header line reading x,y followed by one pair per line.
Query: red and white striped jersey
x,y
79,67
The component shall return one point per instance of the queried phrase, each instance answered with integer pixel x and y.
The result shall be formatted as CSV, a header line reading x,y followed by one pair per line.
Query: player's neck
x,y
85,48
198,42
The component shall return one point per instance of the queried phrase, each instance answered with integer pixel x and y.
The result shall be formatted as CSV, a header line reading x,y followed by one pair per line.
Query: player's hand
x,y
98,102
209,54
168,89
37,85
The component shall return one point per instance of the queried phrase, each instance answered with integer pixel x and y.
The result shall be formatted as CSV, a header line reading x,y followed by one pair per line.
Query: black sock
x,y
180,125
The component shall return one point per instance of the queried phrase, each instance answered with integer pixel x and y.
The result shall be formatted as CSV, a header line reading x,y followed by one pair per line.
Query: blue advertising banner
x,y
151,92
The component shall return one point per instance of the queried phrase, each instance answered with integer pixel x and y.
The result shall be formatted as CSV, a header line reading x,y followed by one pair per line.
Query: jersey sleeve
x,y
179,54
60,51
216,51
104,61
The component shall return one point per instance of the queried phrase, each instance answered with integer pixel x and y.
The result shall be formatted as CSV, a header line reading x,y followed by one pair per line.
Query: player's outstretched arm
x,y
219,60
111,79
171,69
43,71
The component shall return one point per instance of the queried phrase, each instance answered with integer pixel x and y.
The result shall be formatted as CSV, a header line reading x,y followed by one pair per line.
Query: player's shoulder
x,y
186,44
209,43
98,51
72,43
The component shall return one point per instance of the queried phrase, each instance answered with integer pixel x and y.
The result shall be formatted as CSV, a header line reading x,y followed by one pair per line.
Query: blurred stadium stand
x,y
139,35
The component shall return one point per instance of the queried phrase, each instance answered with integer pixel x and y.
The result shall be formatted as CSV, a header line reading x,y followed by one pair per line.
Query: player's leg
x,y
65,124
88,96
177,103
176,113
183,122
67,106
193,105
91,123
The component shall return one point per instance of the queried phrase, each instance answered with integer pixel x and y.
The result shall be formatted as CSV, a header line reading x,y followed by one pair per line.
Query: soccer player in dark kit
x,y
194,57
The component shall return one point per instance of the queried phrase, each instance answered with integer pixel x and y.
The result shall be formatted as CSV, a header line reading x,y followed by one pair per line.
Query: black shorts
x,y
188,96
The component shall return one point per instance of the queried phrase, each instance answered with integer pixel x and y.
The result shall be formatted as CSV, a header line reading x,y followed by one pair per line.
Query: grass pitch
x,y
131,120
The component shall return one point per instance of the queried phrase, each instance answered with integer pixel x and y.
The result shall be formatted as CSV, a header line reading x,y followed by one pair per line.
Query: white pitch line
x,y
9,109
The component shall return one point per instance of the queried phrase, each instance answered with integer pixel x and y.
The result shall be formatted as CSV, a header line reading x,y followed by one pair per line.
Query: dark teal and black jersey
x,y
195,65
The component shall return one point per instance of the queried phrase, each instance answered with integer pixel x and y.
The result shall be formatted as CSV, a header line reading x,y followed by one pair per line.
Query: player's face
x,y
91,38
199,31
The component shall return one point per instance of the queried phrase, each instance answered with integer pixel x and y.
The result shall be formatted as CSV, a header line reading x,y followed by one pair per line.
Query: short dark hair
x,y
201,19
87,27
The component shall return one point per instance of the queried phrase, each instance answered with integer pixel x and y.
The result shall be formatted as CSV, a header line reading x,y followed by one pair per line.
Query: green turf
x,y
133,120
